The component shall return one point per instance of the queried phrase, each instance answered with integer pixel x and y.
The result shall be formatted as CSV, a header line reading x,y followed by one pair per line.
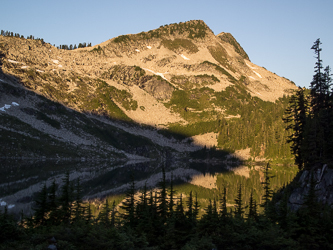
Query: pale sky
x,y
276,34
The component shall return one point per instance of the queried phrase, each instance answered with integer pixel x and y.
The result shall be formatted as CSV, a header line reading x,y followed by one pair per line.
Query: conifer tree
x,y
78,208
66,199
296,117
171,197
104,215
89,216
252,208
239,209
53,204
223,202
113,214
129,204
189,212
318,88
267,189
41,207
162,199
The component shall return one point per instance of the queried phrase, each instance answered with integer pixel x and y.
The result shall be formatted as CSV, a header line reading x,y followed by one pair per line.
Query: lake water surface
x,y
20,180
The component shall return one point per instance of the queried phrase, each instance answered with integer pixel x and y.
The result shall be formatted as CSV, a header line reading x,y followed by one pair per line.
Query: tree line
x,y
164,219
310,118
11,34
71,46
65,47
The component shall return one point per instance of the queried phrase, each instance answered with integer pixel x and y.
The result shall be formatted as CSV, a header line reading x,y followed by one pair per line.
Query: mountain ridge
x,y
171,76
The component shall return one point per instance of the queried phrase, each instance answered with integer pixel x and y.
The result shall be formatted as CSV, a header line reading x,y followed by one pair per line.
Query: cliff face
x,y
324,187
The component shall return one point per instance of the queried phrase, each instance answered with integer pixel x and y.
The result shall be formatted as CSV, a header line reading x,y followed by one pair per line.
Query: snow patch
x,y
137,50
12,61
184,57
158,74
252,77
250,66
11,206
55,61
2,80
3,203
24,67
7,106
38,70
60,66
257,74
149,47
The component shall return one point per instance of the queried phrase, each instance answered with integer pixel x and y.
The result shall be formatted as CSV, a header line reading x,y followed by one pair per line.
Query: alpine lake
x,y
21,180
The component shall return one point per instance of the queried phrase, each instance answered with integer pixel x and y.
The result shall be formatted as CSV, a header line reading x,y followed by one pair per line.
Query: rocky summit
x,y
173,88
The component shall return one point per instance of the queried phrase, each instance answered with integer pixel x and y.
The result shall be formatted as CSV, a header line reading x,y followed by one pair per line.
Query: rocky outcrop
x,y
324,187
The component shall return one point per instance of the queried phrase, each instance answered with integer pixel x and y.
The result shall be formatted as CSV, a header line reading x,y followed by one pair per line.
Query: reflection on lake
x,y
21,180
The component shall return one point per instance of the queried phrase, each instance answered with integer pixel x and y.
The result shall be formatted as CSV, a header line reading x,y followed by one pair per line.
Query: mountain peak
x,y
194,29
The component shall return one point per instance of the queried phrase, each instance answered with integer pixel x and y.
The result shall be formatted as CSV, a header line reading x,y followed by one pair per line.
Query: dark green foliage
x,y
98,49
129,205
296,120
239,209
253,213
177,44
41,207
267,188
310,228
312,125
195,29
